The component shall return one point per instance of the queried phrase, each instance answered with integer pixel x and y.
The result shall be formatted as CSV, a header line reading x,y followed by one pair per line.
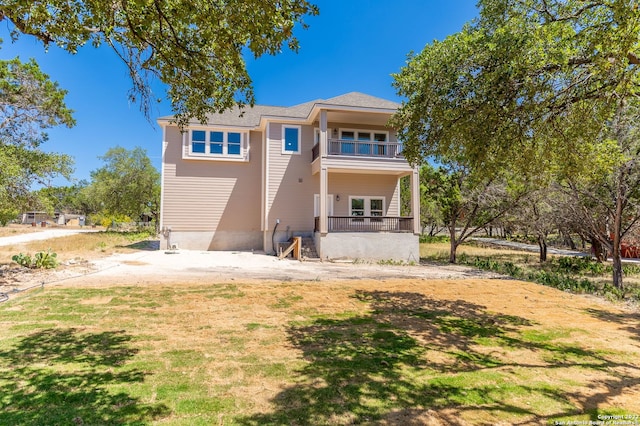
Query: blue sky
x,y
353,45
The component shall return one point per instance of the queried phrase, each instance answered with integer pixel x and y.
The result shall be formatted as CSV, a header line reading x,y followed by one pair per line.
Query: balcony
x,y
354,148
367,224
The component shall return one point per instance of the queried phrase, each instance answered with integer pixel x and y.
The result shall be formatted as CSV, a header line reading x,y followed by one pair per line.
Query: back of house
x,y
327,170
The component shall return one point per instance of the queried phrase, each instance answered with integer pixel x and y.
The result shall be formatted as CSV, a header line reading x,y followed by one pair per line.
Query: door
x,y
316,205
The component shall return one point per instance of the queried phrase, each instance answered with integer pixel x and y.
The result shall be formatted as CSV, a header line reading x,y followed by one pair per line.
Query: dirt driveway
x,y
166,266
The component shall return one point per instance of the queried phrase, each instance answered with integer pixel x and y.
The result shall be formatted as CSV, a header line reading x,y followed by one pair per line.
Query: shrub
x,y
578,265
434,238
7,215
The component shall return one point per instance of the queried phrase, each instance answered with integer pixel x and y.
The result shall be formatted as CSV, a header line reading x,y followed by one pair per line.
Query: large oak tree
x,y
30,103
196,47
531,85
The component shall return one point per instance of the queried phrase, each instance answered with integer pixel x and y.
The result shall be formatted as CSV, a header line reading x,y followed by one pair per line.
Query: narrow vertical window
x,y
198,138
291,139
234,143
217,142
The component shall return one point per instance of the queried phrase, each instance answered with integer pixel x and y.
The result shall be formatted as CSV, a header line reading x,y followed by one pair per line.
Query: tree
x,y
127,184
196,47
430,215
605,199
69,199
531,86
29,104
467,204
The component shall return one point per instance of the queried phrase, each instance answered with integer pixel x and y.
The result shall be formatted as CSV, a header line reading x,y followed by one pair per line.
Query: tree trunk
x,y
454,245
596,248
616,254
542,244
617,269
569,241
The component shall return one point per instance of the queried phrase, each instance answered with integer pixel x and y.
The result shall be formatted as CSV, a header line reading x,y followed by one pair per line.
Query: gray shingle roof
x,y
250,116
357,99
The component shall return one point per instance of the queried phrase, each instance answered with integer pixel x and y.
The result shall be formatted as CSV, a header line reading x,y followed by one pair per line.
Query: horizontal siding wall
x,y
291,185
367,185
204,195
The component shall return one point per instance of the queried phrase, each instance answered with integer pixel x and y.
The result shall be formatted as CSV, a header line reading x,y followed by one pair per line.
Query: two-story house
x,y
327,169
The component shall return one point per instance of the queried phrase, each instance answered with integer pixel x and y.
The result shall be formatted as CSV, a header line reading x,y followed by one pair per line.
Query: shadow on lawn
x,y
630,321
64,376
412,355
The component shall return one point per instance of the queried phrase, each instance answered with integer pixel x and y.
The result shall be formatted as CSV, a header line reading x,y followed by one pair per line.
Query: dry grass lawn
x,y
133,350
350,352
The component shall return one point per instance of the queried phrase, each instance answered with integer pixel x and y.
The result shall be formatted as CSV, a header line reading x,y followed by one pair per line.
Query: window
x,y
347,147
364,148
198,139
234,143
366,206
219,143
380,148
291,139
365,142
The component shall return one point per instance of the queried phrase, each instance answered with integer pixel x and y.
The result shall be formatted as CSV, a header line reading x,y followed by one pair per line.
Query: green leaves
x,y
127,184
194,46
41,260
29,104
521,86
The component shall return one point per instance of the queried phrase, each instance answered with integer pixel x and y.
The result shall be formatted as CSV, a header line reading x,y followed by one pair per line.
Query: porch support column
x,y
415,200
324,136
324,186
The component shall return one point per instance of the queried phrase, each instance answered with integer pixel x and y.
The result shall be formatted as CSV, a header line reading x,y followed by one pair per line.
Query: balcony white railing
x,y
356,148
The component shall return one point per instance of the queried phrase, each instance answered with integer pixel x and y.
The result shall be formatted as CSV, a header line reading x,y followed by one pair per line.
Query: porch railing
x,y
355,148
367,224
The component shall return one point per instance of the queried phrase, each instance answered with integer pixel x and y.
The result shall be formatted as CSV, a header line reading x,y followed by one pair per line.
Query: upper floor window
x,y
365,142
291,139
218,143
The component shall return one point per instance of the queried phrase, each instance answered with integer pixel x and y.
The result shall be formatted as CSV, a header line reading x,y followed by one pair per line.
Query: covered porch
x,y
358,214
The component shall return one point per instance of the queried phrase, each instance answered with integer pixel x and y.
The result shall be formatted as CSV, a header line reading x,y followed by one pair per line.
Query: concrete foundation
x,y
403,247
209,240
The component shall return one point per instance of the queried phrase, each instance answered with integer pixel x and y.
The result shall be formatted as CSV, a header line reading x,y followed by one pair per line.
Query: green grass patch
x,y
184,355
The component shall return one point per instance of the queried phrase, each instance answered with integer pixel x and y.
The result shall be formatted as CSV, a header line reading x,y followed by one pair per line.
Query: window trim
x,y
367,204
188,153
299,129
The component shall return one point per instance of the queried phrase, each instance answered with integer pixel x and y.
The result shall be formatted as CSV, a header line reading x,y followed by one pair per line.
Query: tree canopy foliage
x,y
196,47
519,83
532,87
29,104
127,184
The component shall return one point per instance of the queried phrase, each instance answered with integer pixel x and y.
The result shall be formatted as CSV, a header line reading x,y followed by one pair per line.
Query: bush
x,y
577,265
434,238
7,215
